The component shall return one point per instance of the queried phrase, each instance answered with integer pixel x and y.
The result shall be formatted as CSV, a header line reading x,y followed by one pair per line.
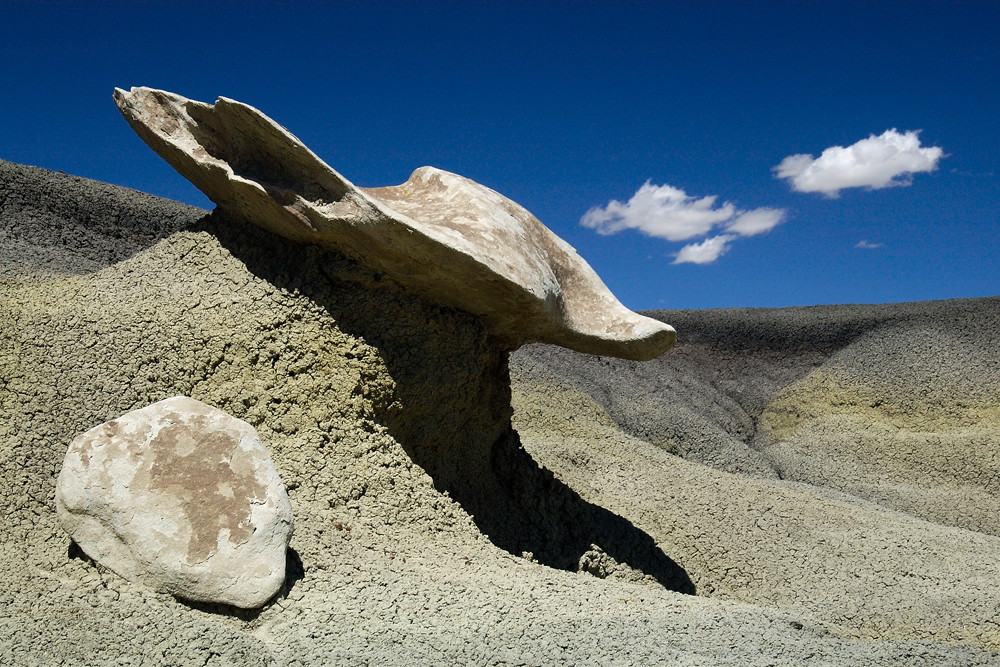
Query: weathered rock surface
x,y
441,235
182,497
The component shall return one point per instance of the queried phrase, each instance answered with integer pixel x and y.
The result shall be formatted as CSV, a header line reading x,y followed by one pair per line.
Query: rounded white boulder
x,y
182,497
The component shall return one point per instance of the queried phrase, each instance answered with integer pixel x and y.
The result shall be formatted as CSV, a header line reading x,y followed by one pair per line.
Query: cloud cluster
x,y
877,162
887,160
670,213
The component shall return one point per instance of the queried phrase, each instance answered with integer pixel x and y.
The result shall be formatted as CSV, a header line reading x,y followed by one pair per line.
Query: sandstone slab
x,y
182,497
440,235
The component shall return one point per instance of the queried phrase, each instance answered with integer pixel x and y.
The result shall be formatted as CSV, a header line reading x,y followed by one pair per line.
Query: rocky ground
x,y
785,487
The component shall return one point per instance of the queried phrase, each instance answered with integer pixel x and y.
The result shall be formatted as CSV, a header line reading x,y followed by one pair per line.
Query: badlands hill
x,y
785,487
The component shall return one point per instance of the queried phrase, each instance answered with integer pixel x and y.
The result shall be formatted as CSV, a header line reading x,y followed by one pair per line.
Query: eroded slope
x,y
383,415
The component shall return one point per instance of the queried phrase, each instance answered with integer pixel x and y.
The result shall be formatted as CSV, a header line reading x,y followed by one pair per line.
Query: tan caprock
x,y
441,235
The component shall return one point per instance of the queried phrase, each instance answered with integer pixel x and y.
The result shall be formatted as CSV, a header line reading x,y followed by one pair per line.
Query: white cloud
x,y
887,160
670,213
662,211
867,245
705,252
757,221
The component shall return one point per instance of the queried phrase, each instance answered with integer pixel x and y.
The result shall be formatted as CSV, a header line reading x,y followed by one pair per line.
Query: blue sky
x,y
569,107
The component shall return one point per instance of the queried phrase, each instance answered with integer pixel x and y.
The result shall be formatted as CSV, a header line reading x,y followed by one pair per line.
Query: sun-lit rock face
x,y
182,497
441,235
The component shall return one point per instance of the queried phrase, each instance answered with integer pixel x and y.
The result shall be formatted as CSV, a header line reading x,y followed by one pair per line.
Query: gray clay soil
x,y
786,487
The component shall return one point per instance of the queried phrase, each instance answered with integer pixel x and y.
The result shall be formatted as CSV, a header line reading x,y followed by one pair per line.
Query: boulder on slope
x,y
182,497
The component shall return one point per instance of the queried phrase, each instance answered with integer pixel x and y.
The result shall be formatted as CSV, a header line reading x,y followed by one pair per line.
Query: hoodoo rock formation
x,y
181,497
495,276
440,235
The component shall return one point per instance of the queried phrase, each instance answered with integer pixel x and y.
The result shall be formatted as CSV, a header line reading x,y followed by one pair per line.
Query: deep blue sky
x,y
566,106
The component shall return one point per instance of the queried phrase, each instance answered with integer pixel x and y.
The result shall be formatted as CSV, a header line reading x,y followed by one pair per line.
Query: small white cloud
x,y
757,221
867,245
670,213
662,211
887,160
705,252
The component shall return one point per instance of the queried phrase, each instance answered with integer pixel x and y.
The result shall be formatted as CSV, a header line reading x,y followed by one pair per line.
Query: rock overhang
x,y
439,235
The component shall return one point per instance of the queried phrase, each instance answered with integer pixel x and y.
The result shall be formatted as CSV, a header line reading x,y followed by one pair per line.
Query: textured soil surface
x,y
786,487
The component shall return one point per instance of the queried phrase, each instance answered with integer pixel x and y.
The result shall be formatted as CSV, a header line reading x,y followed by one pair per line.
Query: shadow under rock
x,y
550,520
451,411
294,573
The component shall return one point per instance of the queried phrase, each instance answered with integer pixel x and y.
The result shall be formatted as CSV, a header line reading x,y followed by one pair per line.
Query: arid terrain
x,y
816,485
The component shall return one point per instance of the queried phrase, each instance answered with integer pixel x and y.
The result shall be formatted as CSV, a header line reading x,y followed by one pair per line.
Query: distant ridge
x,y
55,223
